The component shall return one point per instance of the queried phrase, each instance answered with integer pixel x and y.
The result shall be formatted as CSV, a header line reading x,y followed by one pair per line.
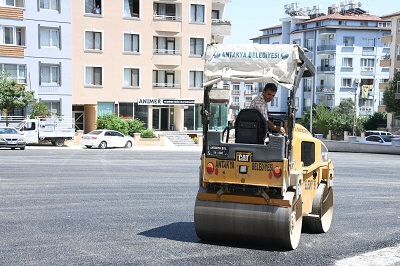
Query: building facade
x,y
35,50
392,60
344,44
143,59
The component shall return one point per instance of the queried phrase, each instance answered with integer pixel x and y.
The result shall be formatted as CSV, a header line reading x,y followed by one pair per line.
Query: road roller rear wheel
x,y
320,218
252,224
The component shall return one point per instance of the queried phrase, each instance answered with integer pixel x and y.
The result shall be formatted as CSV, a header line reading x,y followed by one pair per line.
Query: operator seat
x,y
250,127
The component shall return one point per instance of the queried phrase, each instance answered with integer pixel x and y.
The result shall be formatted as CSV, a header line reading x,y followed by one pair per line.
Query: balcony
x,y
326,89
221,27
326,69
221,1
11,12
386,39
368,50
12,51
167,23
383,84
326,48
167,57
385,61
367,70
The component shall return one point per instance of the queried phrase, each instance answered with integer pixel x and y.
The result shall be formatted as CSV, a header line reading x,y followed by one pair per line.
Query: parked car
x,y
376,132
11,138
378,139
105,138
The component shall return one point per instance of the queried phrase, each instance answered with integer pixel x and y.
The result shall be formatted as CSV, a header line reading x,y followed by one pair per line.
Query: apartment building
x,y
392,60
344,44
32,50
143,59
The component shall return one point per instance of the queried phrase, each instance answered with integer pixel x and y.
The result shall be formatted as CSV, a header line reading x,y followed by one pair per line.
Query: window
x,y
197,13
367,64
163,78
54,107
342,22
275,102
164,45
125,110
310,44
93,7
297,41
347,62
195,79
235,89
363,23
49,4
49,75
346,82
93,40
14,72
398,50
105,108
348,41
307,84
131,77
248,100
248,88
50,37
14,3
94,76
368,44
13,35
165,11
196,46
398,26
131,8
131,43
235,101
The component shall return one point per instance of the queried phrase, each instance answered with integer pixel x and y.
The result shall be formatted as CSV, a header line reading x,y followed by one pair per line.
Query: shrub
x,y
113,122
148,133
134,126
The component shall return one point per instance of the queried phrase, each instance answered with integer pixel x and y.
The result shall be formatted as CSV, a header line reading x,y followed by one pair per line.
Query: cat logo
x,y
243,157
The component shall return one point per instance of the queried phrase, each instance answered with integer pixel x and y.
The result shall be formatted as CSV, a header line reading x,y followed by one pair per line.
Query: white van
x,y
376,132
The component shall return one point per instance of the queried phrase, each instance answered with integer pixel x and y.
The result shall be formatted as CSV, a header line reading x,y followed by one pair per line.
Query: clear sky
x,y
249,16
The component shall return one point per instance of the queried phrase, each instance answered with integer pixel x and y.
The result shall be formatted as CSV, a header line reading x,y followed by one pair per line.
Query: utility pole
x,y
356,81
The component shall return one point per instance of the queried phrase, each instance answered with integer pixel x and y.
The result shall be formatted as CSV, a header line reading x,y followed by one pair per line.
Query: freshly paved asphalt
x,y
78,206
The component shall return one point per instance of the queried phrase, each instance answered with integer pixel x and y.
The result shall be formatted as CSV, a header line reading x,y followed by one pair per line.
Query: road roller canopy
x,y
277,63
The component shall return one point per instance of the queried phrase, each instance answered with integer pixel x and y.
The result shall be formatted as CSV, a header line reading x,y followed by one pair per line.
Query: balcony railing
x,y
367,69
326,68
167,18
166,51
326,48
166,85
325,89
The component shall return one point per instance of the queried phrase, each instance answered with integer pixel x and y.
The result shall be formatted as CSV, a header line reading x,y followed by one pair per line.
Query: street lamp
x,y
357,82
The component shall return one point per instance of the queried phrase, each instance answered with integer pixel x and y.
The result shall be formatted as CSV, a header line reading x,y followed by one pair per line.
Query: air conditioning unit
x,y
331,36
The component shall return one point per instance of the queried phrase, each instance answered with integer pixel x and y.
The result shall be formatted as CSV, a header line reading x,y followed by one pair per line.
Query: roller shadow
x,y
180,231
185,232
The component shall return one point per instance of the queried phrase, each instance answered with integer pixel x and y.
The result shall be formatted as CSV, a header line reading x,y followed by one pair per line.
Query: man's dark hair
x,y
271,87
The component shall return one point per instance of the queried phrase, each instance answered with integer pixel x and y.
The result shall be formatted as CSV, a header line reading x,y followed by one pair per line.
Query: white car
x,y
11,138
377,139
105,138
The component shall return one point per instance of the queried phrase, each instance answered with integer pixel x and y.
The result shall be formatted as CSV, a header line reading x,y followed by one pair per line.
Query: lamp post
x,y
356,81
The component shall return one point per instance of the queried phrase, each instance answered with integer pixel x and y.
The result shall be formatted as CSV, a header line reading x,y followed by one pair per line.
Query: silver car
x,y
11,138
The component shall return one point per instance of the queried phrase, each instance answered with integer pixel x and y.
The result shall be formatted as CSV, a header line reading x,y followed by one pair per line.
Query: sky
x,y
248,17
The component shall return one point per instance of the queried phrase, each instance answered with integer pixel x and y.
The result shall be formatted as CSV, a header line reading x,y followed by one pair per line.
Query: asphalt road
x,y
73,206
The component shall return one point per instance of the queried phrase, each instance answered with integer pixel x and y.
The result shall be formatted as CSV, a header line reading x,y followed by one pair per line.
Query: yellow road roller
x,y
258,187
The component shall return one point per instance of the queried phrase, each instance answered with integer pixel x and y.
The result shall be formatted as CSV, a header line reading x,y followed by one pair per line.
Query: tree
x,y
13,95
392,104
39,109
